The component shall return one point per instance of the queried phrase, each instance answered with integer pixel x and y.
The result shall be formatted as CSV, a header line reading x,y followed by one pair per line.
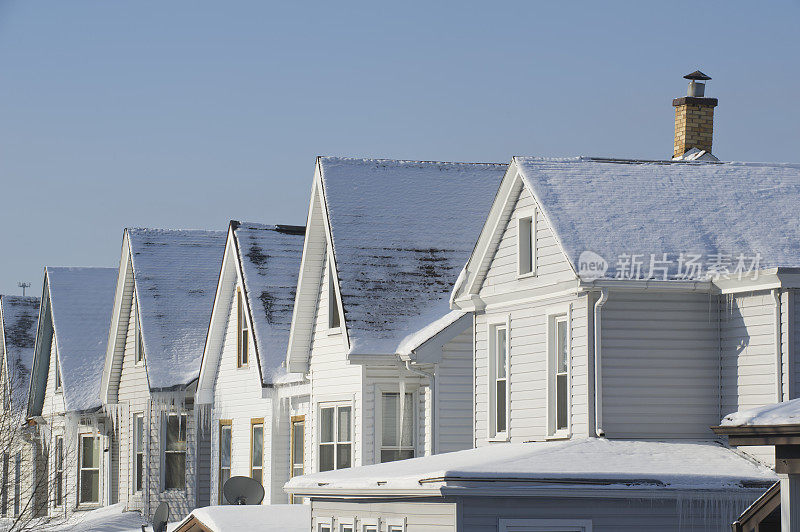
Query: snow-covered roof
x,y
402,230
616,208
81,301
270,259
176,273
785,413
593,462
20,317
254,518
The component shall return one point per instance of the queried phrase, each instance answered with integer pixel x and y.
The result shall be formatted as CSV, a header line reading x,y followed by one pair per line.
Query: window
x,y
498,379
396,525
526,245
59,471
397,427
4,490
558,378
89,469
257,449
139,348
138,452
370,527
175,452
334,320
225,452
347,527
58,374
325,527
297,451
243,332
335,437
17,481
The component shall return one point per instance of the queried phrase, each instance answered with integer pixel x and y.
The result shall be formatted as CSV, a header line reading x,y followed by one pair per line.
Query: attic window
x,y
57,371
526,244
243,332
334,320
139,357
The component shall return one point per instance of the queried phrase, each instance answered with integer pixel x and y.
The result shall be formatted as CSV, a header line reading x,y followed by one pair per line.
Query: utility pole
x,y
24,285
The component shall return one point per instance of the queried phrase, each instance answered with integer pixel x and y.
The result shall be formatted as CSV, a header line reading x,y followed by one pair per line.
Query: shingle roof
x,y
402,231
20,317
81,301
616,207
176,273
270,258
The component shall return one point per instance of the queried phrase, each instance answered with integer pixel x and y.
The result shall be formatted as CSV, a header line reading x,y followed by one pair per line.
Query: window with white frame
x,y
526,243
325,526
498,379
243,332
175,451
225,450
395,524
372,525
558,378
334,319
59,471
89,468
138,452
297,451
257,449
347,526
335,437
397,426
139,348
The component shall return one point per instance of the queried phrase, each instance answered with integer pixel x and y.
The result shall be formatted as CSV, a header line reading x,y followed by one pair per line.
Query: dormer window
x,y
526,244
334,320
243,332
139,356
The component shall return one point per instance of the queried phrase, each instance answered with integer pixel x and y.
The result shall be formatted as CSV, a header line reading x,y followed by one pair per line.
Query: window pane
x,y
392,455
90,456
176,432
224,475
326,434
326,457
139,471
258,445
257,475
139,431
344,423
525,245
408,421
245,348
501,352
561,347
175,471
225,446
342,455
297,443
391,413
561,401
501,406
90,486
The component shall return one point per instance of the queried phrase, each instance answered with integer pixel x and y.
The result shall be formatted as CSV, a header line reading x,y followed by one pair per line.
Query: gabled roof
x,y
175,273
401,231
80,303
269,257
19,320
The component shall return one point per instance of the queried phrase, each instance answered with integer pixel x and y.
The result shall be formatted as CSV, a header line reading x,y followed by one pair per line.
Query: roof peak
x,y
401,161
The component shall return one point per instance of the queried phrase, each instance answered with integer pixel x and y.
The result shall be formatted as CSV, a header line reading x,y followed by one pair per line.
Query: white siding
x,y
420,516
454,395
660,365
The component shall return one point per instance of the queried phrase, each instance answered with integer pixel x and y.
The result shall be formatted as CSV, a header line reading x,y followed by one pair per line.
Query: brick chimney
x,y
694,116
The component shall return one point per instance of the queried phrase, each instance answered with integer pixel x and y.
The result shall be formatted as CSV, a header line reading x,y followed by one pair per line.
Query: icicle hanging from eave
x,y
402,400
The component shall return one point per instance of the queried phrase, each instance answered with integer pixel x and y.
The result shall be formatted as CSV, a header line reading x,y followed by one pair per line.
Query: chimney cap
x,y
697,76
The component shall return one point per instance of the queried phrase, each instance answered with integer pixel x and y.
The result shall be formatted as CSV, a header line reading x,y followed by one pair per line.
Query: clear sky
x,y
185,114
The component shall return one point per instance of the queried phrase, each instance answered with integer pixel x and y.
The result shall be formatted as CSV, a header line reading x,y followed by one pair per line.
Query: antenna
x,y
243,490
23,285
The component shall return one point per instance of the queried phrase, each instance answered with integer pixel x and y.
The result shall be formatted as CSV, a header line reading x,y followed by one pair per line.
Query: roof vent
x,y
696,89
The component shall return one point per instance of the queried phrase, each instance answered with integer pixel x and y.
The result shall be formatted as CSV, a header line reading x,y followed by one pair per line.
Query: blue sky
x,y
187,114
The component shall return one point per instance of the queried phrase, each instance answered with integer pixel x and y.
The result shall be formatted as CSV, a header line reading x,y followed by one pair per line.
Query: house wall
x,y
290,400
454,395
660,357
421,516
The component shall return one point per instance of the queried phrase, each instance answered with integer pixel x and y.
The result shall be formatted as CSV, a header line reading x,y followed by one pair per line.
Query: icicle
x,y
402,400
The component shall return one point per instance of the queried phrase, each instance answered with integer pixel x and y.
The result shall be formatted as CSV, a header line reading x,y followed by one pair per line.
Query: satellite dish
x,y
243,490
161,517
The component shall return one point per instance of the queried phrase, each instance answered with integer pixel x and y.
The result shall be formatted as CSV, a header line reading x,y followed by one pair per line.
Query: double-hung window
x,y
17,481
59,471
498,380
243,332
336,437
225,450
175,451
257,449
138,452
558,378
89,468
297,451
397,427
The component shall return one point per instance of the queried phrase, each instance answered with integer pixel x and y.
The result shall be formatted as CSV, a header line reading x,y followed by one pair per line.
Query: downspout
x,y
598,366
432,379
778,347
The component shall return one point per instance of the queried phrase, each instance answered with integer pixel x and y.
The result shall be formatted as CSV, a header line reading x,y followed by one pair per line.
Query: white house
x,y
20,474
258,410
64,398
585,328
389,364
162,306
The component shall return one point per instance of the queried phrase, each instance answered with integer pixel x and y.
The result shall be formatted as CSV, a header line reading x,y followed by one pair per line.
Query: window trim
x,y
500,322
350,522
324,523
380,389
370,524
556,314
336,405
223,423
566,525
522,216
164,451
81,469
242,331
254,422
396,524
136,451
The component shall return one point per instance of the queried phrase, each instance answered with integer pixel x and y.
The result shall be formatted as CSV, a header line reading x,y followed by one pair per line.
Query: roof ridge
x,y
414,161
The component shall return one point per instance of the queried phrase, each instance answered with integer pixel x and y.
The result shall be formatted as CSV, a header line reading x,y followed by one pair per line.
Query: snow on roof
x,y
81,301
614,207
176,273
402,230
20,318
254,518
413,341
270,258
598,462
785,413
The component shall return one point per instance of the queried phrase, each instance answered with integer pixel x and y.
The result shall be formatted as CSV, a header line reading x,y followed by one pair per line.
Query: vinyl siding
x,y
660,365
420,516
454,395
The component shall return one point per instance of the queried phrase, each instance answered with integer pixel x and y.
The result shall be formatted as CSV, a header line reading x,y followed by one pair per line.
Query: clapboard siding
x,y
419,516
660,365
793,333
454,395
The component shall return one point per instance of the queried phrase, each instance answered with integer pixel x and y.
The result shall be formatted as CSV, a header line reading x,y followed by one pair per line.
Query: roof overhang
x,y
760,434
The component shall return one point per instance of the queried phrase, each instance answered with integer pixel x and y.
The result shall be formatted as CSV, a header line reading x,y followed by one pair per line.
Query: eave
x,y
760,434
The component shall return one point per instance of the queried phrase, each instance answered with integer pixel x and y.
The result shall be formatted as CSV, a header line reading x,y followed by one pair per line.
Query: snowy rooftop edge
x,y
785,413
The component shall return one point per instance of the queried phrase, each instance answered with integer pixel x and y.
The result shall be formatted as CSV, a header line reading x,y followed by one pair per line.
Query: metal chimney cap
x,y
696,76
